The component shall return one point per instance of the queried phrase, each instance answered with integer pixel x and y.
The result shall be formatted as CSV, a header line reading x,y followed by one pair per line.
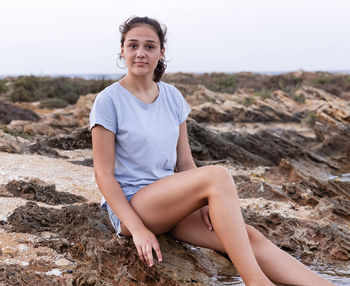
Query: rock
x,y
83,108
79,139
55,272
31,128
22,248
10,112
207,145
11,144
15,262
3,219
233,111
11,274
109,259
284,139
62,262
9,251
40,147
249,188
305,239
40,191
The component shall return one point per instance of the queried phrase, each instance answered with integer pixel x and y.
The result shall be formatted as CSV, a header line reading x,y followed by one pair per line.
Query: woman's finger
x,y
145,256
207,222
157,251
149,255
139,251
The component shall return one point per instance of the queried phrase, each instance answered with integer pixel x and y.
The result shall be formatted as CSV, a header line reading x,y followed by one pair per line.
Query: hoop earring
x,y
119,59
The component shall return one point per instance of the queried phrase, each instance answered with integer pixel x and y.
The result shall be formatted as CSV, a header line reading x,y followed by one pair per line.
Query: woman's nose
x,y
140,53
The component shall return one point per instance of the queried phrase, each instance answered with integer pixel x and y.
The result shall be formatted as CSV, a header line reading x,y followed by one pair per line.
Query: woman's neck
x,y
138,84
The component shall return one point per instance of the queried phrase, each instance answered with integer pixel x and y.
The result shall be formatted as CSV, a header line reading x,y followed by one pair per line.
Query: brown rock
x,y
101,257
40,191
10,112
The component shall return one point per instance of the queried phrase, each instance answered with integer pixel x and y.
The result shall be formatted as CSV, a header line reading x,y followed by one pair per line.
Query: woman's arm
x,y
184,157
103,142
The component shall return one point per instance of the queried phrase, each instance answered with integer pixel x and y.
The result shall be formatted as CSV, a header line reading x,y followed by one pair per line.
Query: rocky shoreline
x,y
288,152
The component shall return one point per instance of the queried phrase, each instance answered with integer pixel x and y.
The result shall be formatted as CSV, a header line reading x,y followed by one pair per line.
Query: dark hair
x,y
159,29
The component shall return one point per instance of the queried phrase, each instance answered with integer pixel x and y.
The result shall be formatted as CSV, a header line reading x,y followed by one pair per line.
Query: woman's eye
x,y
132,46
150,47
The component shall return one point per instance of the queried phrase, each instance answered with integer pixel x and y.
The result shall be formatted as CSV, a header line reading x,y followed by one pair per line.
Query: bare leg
x,y
276,264
163,204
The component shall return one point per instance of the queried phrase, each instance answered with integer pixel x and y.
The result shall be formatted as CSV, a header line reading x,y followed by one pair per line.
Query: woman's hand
x,y
145,241
205,216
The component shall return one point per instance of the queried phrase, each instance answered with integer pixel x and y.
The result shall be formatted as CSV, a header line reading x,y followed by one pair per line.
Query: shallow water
x,y
340,178
338,274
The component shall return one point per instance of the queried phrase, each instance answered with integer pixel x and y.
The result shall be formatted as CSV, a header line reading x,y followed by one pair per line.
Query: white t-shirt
x,y
146,134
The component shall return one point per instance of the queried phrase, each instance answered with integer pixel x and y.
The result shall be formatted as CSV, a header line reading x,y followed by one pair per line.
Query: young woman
x,y
139,137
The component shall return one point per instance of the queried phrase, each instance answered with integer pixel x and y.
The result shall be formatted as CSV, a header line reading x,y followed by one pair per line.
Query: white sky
x,y
82,36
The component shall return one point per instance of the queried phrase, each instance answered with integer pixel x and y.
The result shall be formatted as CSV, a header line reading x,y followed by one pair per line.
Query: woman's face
x,y
141,50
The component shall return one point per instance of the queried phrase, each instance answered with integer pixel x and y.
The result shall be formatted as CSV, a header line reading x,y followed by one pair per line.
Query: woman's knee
x,y
220,179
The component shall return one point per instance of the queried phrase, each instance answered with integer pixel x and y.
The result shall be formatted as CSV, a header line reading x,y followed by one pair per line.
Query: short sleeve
x,y
103,112
183,108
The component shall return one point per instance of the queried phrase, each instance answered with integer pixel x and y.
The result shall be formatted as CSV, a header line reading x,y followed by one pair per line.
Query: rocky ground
x,y
289,154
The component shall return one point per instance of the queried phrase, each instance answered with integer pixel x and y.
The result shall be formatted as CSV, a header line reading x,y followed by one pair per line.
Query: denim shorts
x,y
114,219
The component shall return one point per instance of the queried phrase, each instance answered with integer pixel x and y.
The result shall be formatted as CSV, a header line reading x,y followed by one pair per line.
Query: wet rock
x,y
37,190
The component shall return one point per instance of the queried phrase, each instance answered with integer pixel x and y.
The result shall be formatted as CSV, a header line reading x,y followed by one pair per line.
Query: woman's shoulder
x,y
169,88
110,92
110,88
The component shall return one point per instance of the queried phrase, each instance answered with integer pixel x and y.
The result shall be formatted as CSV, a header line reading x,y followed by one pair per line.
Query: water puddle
x,y
340,178
338,274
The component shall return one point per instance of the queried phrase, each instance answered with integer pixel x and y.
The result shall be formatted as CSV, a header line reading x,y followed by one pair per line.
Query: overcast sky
x,y
82,36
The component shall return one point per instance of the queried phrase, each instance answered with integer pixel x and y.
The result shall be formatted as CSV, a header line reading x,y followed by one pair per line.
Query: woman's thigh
x,y
162,204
